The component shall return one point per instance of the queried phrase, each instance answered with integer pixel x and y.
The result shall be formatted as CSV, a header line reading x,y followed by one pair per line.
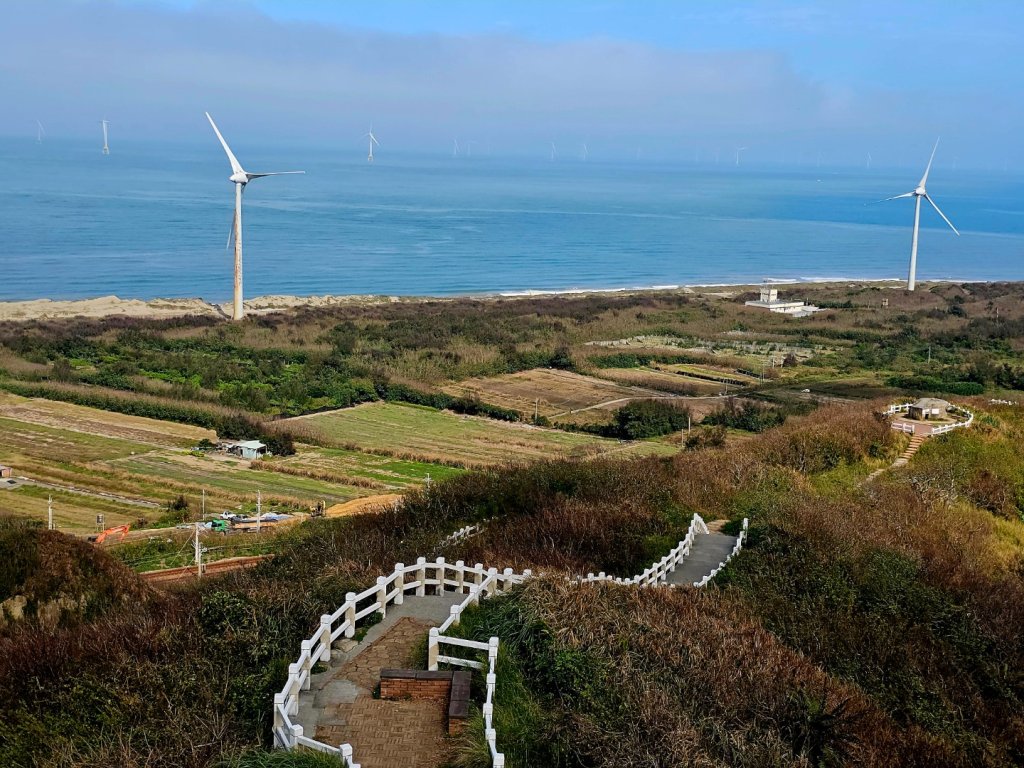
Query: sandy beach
x,y
105,306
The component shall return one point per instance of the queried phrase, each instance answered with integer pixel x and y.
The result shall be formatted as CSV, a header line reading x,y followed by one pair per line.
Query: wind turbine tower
x,y
554,152
455,150
40,133
240,177
373,140
106,145
919,193
738,150
584,152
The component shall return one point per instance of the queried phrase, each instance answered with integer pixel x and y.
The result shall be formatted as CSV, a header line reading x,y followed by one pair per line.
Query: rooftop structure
x,y
770,300
928,408
247,449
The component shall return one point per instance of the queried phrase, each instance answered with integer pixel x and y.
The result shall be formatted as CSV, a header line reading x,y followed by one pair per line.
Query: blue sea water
x,y
151,220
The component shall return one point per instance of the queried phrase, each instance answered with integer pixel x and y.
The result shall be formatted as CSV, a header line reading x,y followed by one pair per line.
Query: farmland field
x,y
662,381
553,392
427,434
77,418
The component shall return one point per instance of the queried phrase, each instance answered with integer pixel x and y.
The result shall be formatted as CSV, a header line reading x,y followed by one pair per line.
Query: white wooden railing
x,y
967,418
476,583
659,571
735,551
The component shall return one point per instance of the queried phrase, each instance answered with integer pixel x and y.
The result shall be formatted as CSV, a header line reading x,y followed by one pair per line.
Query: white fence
x,y
659,571
476,583
966,416
735,551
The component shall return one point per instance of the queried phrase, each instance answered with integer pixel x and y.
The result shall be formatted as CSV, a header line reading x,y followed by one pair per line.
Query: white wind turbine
x,y
554,151
917,194
584,152
240,177
40,133
106,146
373,140
738,150
455,150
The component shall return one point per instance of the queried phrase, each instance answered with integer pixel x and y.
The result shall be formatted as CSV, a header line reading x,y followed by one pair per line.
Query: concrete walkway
x,y
383,734
707,552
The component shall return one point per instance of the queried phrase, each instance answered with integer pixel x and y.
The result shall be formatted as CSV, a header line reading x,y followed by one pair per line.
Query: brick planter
x,y
450,688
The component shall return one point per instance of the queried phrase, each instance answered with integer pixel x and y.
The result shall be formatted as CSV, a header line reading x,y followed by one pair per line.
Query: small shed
x,y
248,449
6,471
928,408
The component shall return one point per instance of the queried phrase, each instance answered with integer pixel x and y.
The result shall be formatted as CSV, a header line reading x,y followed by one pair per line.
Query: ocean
x,y
151,220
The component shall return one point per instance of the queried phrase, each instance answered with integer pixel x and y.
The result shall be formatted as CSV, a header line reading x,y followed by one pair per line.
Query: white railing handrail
x,y
476,582
735,551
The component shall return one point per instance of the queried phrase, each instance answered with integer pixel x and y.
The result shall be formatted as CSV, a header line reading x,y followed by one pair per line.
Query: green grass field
x,y
410,431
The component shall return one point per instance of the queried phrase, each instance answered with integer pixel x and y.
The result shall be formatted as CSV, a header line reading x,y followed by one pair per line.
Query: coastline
x,y
106,306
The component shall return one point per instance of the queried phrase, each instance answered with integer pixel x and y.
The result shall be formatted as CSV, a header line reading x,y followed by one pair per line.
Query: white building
x,y
248,449
770,300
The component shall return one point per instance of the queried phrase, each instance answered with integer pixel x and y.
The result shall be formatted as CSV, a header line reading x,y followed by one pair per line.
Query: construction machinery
x,y
118,530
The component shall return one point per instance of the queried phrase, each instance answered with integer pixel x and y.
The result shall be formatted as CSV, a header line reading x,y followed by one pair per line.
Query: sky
x,y
678,79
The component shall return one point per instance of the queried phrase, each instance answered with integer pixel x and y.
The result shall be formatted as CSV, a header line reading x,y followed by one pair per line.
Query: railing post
x,y
421,576
440,575
399,583
478,575
279,702
499,760
297,731
492,653
346,754
294,670
325,637
307,652
432,649
492,680
456,614
492,586
350,614
460,575
490,737
382,595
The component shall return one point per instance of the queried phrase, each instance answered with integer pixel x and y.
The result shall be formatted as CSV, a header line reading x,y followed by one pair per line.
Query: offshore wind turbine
x,y
738,150
455,150
40,133
373,140
240,177
554,152
106,146
919,193
584,152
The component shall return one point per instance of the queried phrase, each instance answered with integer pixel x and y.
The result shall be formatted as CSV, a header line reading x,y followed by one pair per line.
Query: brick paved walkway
x,y
383,734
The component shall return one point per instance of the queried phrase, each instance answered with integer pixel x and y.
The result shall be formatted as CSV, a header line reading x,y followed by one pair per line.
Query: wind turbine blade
x,y
929,199
273,173
927,170
374,139
895,197
236,167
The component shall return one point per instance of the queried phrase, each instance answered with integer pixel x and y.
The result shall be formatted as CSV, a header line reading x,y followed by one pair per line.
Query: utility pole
x,y
49,513
198,555
428,481
259,509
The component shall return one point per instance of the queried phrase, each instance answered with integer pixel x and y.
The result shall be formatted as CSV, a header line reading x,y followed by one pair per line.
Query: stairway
x,y
915,443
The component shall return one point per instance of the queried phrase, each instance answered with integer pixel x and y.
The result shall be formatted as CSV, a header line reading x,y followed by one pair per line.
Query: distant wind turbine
x,y
917,194
106,146
373,140
40,133
240,178
738,150
469,147
554,152
868,166
455,150
584,152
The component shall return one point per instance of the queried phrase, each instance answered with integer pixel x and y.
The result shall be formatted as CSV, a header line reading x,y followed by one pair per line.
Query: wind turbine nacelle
x,y
239,178
920,192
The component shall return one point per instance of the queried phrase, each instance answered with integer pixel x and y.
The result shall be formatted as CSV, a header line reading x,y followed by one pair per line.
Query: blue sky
x,y
789,79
